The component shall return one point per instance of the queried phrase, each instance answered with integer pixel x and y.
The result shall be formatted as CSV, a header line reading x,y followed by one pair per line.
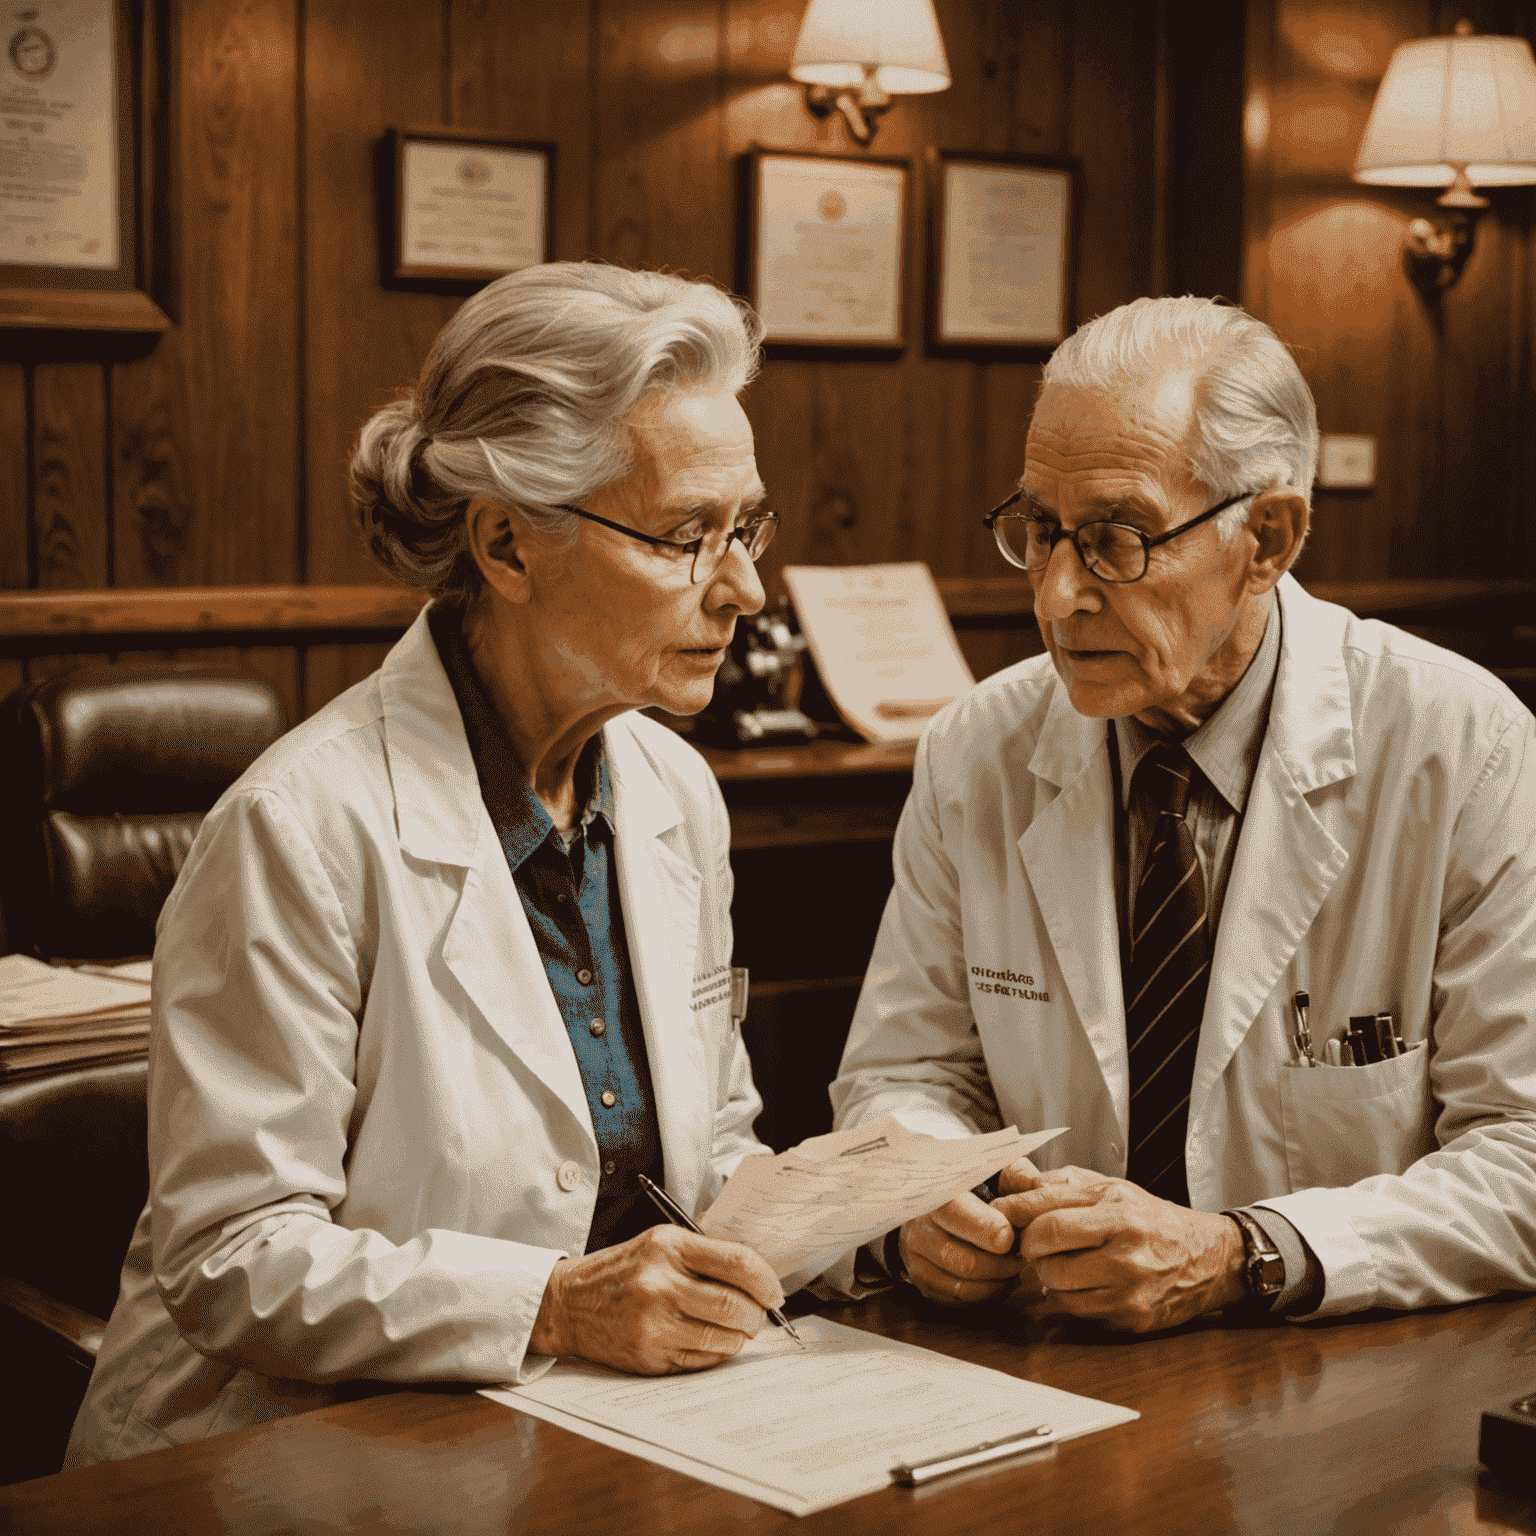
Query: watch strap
x,y
1263,1263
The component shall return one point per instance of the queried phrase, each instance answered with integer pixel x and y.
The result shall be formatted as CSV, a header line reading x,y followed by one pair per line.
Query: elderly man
x,y
1121,863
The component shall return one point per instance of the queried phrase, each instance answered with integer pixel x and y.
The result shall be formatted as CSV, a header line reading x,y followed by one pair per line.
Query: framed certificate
x,y
824,248
69,218
1001,252
467,207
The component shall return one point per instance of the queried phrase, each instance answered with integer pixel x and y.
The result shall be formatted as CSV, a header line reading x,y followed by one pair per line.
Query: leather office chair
x,y
105,775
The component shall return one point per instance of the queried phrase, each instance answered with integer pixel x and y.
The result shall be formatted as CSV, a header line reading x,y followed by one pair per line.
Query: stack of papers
x,y
52,1016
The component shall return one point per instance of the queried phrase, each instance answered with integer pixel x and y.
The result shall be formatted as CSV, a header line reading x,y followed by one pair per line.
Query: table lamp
x,y
855,55
1454,112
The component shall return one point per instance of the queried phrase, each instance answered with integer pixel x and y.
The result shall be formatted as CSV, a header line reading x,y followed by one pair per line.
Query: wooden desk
x,y
1355,1426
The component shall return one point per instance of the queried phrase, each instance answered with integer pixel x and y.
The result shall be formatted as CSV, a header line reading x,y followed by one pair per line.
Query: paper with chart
x,y
806,1207
804,1429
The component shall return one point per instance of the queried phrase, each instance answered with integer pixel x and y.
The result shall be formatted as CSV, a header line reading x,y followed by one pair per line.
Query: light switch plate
x,y
1346,462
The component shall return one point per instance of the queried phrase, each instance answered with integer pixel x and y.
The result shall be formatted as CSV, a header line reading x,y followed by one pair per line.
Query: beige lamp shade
x,y
1452,102
897,40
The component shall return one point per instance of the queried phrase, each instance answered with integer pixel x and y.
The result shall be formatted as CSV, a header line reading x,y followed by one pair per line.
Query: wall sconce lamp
x,y
854,55
1453,112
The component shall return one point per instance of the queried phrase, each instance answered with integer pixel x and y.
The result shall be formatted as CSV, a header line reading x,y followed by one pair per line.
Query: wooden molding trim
x,y
343,613
80,309
78,1333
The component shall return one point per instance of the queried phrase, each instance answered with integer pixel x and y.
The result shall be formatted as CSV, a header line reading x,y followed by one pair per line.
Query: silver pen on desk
x,y
914,1474
1303,1037
680,1218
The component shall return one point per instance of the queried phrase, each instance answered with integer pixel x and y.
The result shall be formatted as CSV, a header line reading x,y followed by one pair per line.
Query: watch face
x,y
1268,1272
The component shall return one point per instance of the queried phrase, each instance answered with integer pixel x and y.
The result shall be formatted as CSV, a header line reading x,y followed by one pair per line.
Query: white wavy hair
x,y
524,397
1255,420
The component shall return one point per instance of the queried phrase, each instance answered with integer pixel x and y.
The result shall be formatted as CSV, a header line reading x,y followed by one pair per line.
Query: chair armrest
x,y
78,1333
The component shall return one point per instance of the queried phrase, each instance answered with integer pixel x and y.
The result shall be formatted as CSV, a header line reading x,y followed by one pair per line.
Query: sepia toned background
x,y
218,457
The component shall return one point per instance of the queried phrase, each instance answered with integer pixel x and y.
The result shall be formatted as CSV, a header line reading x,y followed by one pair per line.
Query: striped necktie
x,y
1166,980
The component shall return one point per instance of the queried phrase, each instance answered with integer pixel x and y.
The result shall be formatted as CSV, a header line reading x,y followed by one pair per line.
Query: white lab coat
x,y
369,1139
1386,862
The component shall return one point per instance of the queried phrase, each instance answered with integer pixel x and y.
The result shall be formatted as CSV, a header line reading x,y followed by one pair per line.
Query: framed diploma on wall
x,y
70,252
467,207
824,251
1001,252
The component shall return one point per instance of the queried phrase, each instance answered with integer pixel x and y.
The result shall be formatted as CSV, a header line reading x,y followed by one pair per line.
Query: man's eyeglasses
x,y
706,553
1110,551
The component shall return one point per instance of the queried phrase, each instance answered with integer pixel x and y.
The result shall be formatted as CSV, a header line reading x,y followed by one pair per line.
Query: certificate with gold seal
x,y
59,181
825,254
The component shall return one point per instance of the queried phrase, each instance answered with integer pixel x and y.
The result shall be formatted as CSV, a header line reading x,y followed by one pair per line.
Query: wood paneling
x,y
69,470
1445,386
364,72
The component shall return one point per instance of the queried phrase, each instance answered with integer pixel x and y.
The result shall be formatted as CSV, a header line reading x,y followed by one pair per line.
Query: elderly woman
x,y
449,967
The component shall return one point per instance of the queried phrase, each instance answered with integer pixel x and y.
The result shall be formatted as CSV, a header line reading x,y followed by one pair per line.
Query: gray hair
x,y
524,397
1255,421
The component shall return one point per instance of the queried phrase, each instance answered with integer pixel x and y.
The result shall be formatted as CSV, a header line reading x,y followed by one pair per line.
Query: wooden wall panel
x,y
523,69
14,531
1445,387
206,426
70,474
363,74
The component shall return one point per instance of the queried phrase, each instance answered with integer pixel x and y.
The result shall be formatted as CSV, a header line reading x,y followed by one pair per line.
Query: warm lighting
x,y
1455,112
854,55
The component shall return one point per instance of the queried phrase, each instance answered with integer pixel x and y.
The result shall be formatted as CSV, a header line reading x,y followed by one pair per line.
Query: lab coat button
x,y
569,1176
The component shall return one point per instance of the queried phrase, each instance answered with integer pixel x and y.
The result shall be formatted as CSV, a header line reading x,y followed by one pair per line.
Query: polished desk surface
x,y
1353,1426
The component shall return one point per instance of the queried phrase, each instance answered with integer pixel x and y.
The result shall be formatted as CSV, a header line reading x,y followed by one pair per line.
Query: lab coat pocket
x,y
1344,1124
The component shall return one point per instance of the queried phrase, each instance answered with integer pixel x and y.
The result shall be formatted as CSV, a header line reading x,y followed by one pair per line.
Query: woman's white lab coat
x,y
1386,863
369,1140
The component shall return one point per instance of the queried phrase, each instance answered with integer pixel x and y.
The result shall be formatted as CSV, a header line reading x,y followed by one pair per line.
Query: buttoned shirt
x,y
1225,748
568,884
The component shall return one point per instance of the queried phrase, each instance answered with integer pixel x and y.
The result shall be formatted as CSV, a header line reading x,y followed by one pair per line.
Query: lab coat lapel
x,y
1069,857
1286,860
660,890
488,946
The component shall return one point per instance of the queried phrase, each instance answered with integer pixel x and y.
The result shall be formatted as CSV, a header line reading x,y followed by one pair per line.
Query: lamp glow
x,y
875,48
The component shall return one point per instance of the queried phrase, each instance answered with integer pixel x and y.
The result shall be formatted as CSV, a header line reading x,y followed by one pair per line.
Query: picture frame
x,y
85,217
466,207
1002,253
824,251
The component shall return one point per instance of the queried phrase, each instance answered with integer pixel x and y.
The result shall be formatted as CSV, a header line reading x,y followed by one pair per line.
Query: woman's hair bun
x,y
412,530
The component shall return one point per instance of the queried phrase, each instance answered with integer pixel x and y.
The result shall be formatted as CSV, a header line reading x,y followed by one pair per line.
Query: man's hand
x,y
668,1300
1108,1250
960,1253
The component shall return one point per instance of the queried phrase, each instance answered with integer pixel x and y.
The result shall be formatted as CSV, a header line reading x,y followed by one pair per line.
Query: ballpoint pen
x,y
1303,1037
680,1218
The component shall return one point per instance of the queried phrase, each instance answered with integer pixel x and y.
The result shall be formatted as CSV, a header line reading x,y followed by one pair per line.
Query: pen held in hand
x,y
680,1218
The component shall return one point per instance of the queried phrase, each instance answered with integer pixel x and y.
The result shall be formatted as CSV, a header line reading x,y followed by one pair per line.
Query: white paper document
x,y
804,1208
882,642
34,995
805,1429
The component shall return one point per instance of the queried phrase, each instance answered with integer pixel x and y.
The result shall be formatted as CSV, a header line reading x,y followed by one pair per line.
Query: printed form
x,y
802,1430
806,1207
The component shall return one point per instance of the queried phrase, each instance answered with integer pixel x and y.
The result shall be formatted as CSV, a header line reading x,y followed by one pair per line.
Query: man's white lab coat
x,y
369,1140
1386,863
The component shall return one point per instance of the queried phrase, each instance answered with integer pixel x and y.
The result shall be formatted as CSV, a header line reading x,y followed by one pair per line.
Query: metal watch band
x,y
1263,1267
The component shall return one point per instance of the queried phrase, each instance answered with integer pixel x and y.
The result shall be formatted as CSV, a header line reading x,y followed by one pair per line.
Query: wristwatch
x,y
1263,1267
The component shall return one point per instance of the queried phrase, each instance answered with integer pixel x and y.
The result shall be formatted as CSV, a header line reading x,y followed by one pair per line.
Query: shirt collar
x,y
521,822
1226,746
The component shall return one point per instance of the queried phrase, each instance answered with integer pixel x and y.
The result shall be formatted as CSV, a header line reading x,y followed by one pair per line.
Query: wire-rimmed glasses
x,y
754,536
1111,551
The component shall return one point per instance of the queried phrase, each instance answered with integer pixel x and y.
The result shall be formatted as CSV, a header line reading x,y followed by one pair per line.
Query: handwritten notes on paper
x,y
804,1429
882,643
805,1208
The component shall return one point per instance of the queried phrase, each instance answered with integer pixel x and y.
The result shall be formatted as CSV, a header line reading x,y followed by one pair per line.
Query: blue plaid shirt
x,y
570,892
